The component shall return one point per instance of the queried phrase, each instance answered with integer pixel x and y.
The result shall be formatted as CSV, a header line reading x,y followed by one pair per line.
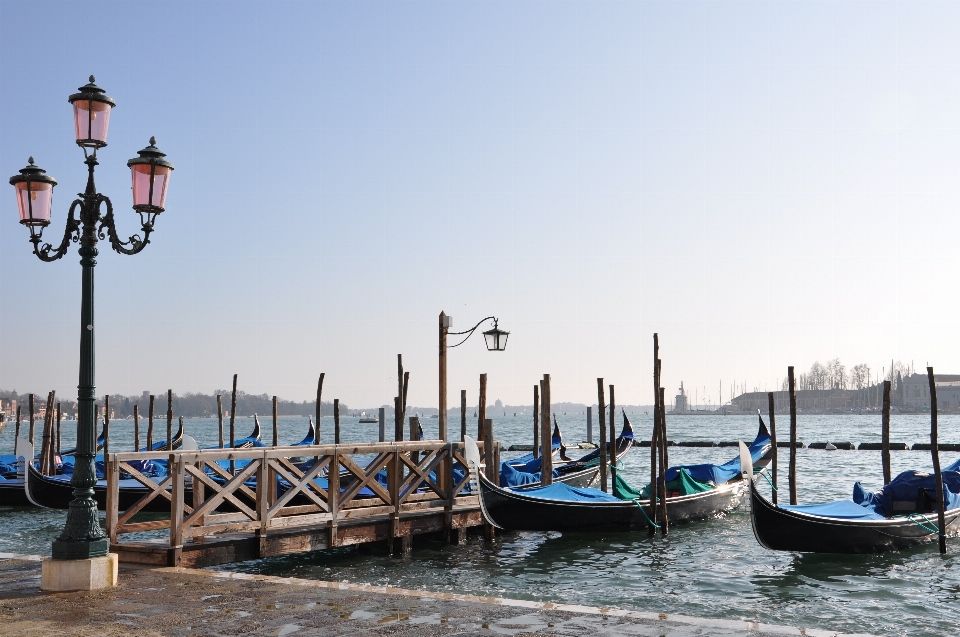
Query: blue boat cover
x,y
718,474
842,509
528,459
510,477
954,467
566,493
906,487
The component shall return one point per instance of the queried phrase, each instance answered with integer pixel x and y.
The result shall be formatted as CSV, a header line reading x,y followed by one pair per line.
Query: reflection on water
x,y
711,569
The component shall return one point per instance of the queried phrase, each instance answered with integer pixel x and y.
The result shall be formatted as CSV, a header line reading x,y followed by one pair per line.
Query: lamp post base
x,y
80,549
78,575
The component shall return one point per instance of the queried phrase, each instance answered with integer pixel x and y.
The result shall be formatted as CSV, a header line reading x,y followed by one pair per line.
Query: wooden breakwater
x,y
273,503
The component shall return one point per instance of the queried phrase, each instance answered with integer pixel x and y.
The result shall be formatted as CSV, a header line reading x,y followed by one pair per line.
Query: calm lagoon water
x,y
710,569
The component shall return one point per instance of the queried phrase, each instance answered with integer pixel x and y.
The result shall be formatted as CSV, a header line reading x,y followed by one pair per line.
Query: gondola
x,y
55,492
555,443
581,472
847,526
12,492
562,507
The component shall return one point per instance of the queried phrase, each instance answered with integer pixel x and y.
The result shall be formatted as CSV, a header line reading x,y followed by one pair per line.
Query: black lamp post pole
x,y
82,536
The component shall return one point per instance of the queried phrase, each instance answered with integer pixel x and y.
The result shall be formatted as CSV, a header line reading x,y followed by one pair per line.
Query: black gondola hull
x,y
12,494
516,511
784,530
57,494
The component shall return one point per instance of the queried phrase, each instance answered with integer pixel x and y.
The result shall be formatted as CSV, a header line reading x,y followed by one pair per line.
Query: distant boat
x,y
368,420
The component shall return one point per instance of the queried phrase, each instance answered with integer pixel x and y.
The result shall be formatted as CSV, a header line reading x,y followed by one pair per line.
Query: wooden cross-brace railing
x,y
274,488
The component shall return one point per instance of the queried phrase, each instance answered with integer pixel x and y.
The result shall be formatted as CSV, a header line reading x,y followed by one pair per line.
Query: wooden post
x,y
17,431
414,437
406,386
654,448
397,431
463,414
546,458
333,498
885,436
136,428
482,412
32,421
935,451
589,424
276,424
106,427
220,419
664,464
613,442
46,442
536,421
316,430
382,419
59,417
233,419
150,424
601,419
336,420
442,419
792,471
169,420
771,407
493,472
175,469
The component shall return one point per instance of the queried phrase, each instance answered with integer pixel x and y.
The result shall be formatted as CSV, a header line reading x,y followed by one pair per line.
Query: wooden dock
x,y
274,503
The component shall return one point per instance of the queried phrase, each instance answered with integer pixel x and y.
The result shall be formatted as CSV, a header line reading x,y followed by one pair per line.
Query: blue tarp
x,y
718,474
562,491
528,463
842,509
510,477
954,467
906,488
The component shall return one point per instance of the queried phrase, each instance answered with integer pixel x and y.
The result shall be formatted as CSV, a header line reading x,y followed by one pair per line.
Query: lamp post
x,y
496,340
89,218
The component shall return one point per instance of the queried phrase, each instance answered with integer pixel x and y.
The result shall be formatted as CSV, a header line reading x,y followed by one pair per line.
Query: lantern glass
x,y
146,176
496,340
91,119
35,199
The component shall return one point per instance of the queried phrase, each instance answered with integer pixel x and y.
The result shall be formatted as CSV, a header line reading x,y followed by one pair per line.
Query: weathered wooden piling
x,y
382,423
601,420
276,424
771,408
546,458
654,448
150,423
220,419
664,463
136,428
233,420
885,435
613,442
17,430
935,452
482,407
792,471
106,426
59,418
316,430
47,463
590,424
492,470
442,406
536,421
170,420
463,414
336,419
32,421
397,409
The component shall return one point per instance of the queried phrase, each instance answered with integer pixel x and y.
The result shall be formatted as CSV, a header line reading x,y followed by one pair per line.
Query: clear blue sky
x,y
762,183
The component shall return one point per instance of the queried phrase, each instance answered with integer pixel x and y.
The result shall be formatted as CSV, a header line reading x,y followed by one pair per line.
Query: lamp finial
x,y
30,161
92,79
153,140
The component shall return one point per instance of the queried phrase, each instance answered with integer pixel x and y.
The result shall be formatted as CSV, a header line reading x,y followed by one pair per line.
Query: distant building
x,y
916,391
680,400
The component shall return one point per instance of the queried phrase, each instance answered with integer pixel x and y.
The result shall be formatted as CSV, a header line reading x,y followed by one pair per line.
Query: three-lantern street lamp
x,y
496,341
89,218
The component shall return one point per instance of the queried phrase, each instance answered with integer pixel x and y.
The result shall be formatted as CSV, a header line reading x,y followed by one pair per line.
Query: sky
x,y
762,184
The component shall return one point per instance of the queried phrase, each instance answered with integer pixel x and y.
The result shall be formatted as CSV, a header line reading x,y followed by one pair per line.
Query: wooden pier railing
x,y
283,500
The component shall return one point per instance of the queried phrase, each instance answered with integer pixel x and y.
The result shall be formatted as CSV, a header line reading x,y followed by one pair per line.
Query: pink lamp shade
x,y
34,195
91,115
150,173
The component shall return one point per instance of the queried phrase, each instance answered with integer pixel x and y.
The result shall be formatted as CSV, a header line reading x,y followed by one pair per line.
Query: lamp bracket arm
x,y
70,233
135,243
470,332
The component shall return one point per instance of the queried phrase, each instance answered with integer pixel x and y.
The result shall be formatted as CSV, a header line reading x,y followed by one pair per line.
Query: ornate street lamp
x,y
89,219
496,340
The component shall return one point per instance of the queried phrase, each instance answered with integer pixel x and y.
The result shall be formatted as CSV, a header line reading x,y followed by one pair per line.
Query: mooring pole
x,y
792,472
885,424
771,408
536,421
935,451
601,418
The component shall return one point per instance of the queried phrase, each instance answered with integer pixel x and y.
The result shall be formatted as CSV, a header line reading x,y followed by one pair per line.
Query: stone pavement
x,y
172,601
